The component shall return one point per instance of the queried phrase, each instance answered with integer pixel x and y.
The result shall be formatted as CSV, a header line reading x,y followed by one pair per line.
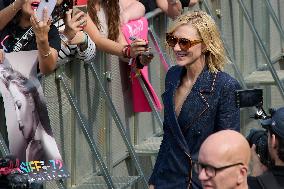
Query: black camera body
x,y
259,137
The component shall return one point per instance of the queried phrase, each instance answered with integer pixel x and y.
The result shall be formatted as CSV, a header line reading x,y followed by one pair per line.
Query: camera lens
x,y
259,138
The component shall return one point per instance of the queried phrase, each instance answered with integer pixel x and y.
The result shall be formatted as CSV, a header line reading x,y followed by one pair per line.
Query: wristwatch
x,y
173,2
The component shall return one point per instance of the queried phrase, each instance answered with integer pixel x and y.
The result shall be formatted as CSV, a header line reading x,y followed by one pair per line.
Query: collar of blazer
x,y
205,82
204,86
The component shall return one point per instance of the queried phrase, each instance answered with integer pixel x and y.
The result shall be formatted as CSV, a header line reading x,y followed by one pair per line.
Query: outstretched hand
x,y
41,28
137,47
74,24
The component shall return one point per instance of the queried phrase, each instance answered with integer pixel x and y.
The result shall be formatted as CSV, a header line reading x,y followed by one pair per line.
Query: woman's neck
x,y
193,70
25,22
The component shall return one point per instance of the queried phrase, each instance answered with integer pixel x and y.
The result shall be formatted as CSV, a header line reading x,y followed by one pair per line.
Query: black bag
x,y
267,181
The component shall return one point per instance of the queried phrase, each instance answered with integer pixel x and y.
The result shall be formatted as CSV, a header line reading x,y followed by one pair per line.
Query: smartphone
x,y
249,97
77,8
49,4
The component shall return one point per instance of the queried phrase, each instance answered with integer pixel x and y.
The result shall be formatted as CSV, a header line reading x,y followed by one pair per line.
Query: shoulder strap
x,y
267,180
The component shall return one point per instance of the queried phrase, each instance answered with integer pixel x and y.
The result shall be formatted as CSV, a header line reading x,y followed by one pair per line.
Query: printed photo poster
x,y
30,135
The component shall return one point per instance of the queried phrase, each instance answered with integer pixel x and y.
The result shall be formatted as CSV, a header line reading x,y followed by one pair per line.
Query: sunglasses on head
x,y
183,43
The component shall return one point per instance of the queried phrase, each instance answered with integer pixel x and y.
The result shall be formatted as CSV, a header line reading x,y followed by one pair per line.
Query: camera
x,y
259,137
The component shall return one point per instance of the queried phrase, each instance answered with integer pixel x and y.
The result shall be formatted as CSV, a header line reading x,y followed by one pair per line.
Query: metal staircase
x,y
271,76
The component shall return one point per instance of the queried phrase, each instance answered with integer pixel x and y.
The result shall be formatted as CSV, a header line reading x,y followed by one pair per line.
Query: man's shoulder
x,y
272,177
253,183
227,81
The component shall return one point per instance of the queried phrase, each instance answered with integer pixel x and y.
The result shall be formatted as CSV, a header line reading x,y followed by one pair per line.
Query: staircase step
x,y
150,146
98,182
263,77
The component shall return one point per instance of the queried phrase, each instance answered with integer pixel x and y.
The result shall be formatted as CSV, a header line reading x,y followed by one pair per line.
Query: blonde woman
x,y
199,100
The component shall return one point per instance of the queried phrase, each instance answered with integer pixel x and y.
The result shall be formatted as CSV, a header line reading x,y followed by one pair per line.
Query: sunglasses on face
x,y
183,43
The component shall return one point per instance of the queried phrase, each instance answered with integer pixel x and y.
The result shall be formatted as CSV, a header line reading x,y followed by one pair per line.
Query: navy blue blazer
x,y
209,107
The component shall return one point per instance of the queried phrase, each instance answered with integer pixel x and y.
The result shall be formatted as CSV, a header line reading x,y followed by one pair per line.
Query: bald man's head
x,y
227,145
229,149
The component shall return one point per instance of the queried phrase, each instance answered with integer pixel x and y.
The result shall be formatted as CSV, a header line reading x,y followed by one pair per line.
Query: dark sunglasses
x,y
183,43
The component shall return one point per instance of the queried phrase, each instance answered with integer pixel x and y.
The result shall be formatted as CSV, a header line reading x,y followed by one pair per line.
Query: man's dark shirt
x,y
277,171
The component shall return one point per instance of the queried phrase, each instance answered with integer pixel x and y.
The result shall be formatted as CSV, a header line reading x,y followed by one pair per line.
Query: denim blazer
x,y
209,107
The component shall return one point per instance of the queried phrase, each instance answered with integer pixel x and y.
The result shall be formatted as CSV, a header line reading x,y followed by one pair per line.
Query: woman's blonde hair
x,y
215,55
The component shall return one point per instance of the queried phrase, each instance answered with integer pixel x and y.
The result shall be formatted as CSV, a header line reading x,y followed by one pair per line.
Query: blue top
x,y
209,107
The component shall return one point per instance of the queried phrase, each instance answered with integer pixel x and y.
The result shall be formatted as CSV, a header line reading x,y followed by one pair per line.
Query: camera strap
x,y
267,180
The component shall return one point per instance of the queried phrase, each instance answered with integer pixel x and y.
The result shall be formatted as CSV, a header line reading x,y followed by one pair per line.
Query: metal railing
x,y
262,48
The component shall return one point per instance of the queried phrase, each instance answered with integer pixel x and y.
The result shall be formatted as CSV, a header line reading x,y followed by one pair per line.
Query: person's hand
x,y
137,47
192,3
257,167
41,28
151,187
1,56
74,24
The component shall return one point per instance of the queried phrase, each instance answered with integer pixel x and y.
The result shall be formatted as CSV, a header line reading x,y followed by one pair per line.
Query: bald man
x,y
223,161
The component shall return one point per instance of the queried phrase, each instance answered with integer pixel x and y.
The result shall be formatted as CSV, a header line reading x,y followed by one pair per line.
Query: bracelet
x,y
126,51
85,38
47,54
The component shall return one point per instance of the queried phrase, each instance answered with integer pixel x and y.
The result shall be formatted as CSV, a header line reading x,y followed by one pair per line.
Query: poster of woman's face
x,y
28,126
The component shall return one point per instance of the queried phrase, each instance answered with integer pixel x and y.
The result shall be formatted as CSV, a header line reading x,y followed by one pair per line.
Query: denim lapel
x,y
198,101
170,115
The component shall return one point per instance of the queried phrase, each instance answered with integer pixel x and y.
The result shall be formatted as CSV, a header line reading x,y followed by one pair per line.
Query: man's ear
x,y
242,176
